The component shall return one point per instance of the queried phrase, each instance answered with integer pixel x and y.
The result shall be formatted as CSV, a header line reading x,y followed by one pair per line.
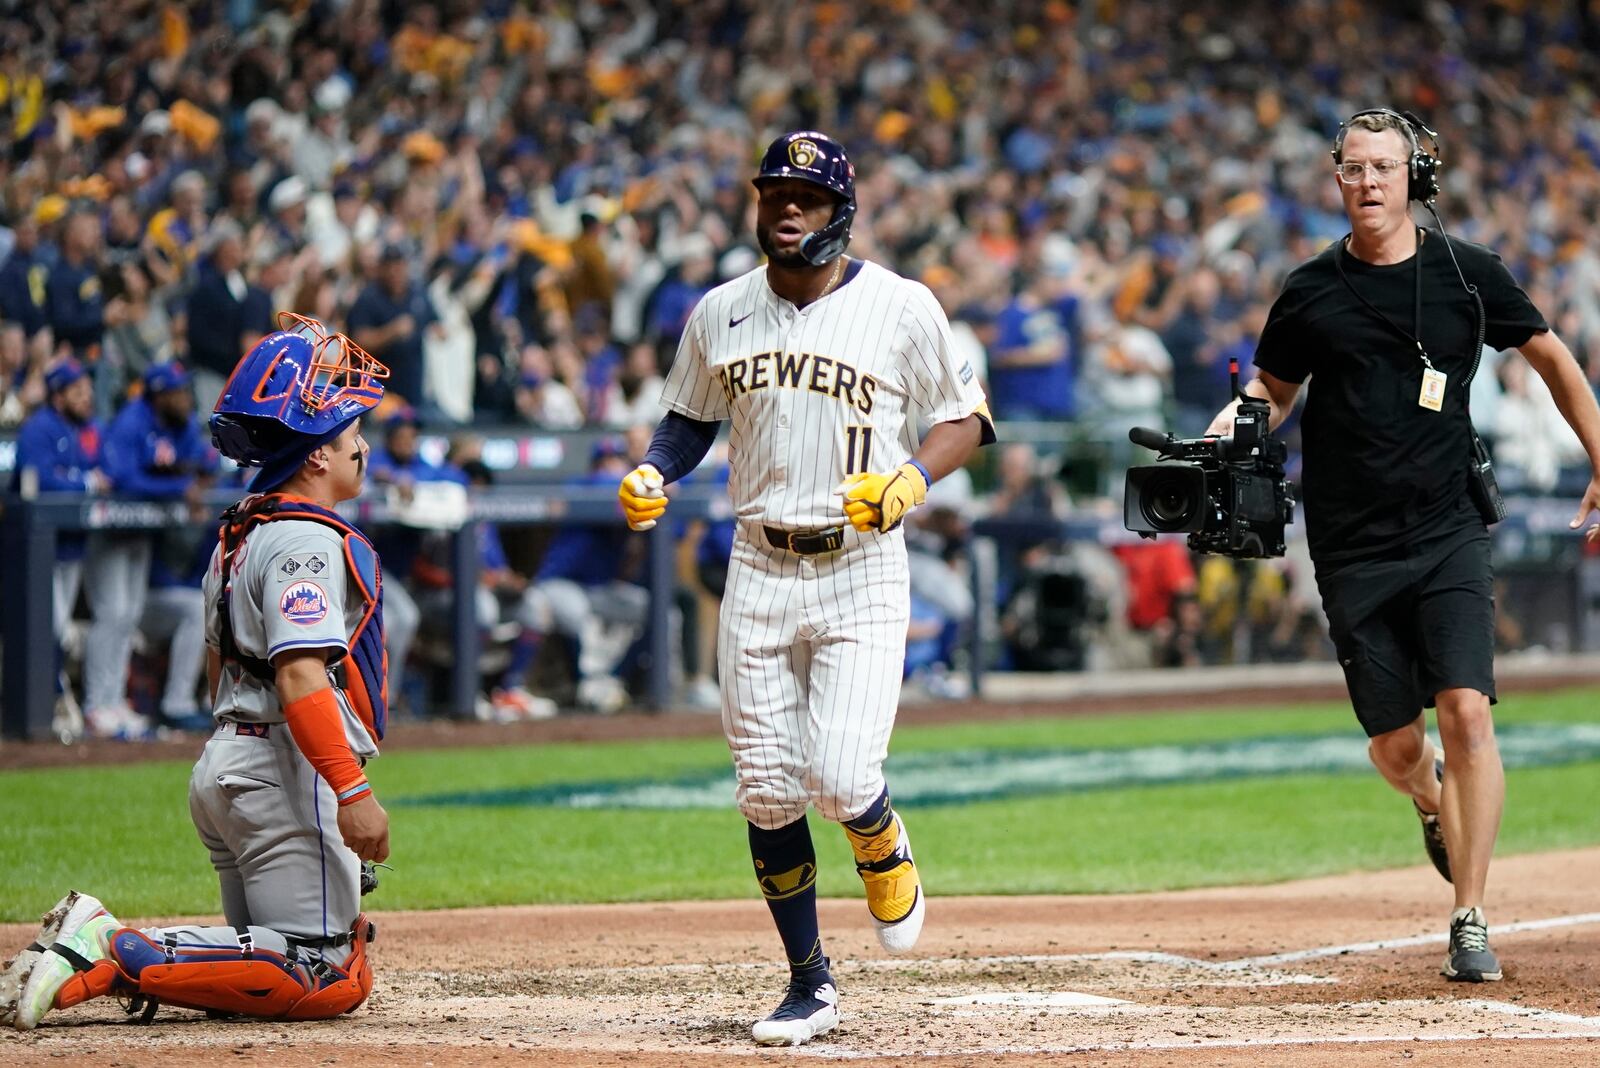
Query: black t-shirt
x,y
1381,470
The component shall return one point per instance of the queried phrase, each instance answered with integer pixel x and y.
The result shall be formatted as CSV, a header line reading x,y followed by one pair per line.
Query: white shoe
x,y
66,723
894,889
515,704
702,695
86,933
20,967
604,694
109,721
806,1012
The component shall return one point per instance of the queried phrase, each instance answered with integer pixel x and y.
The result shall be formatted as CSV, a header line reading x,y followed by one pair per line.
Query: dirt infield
x,y
1292,975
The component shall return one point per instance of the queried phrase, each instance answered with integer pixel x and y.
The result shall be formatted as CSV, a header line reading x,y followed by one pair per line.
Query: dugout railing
x,y
1534,542
29,530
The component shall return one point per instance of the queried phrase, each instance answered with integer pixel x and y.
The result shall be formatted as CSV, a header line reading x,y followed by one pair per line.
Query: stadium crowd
x,y
516,205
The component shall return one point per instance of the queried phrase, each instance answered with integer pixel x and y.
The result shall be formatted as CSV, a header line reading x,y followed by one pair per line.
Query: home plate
x,y
1057,999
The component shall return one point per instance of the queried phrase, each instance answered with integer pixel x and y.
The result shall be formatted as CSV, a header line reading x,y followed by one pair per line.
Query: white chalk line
x,y
1241,964
1199,1043
1435,938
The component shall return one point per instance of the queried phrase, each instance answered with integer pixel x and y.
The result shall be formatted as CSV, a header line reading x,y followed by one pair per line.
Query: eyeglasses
x,y
1353,173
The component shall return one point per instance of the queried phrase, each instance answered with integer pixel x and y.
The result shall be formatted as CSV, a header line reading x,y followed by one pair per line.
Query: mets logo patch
x,y
802,153
304,604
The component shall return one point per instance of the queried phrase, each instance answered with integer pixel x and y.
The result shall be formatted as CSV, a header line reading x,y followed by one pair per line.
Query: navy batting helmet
x,y
298,388
817,158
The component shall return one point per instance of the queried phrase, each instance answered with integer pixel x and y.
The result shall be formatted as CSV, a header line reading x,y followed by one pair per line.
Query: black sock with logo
x,y
786,870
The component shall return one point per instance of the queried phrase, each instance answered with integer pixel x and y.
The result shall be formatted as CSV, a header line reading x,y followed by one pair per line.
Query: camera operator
x,y
1384,324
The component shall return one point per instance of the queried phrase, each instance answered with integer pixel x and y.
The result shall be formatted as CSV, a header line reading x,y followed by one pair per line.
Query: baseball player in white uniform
x,y
294,621
825,366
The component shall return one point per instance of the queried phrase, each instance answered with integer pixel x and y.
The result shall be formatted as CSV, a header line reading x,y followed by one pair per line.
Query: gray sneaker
x,y
1470,959
1432,834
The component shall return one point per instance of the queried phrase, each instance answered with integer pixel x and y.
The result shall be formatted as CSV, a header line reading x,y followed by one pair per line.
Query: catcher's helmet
x,y
296,389
814,157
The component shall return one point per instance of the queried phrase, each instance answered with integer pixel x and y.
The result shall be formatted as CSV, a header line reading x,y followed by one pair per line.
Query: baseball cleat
x,y
20,967
84,937
894,893
809,1009
1470,959
1432,833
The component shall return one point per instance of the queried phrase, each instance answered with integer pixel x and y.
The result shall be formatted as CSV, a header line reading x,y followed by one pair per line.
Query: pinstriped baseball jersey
x,y
817,393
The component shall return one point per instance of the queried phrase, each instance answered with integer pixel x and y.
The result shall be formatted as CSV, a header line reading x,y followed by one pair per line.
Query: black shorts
x,y
1413,623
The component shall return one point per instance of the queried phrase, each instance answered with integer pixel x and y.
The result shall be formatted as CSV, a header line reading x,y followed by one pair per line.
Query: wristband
x,y
927,479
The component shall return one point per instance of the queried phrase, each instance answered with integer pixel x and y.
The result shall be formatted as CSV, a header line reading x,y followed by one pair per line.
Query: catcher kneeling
x,y
294,622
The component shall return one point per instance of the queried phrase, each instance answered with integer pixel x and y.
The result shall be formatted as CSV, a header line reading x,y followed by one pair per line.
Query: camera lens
x,y
1168,503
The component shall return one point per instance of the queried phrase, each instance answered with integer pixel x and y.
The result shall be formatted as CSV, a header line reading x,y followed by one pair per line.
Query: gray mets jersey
x,y
811,647
289,592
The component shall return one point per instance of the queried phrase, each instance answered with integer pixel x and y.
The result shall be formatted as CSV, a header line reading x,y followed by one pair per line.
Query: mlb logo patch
x,y
304,604
966,373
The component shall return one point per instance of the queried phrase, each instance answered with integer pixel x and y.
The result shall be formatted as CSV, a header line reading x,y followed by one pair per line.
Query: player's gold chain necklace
x,y
838,270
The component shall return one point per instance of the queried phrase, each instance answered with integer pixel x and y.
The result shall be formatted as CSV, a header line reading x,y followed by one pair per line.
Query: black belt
x,y
806,542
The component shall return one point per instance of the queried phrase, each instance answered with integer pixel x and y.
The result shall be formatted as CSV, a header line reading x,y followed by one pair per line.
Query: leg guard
x,y
247,981
102,978
343,989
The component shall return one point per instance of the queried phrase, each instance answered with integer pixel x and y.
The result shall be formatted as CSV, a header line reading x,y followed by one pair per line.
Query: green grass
x,y
124,833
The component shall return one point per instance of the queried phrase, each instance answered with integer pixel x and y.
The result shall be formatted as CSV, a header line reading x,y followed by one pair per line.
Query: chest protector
x,y
363,674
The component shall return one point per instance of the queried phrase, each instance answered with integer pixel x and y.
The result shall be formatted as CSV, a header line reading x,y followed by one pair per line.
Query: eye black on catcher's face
x,y
787,209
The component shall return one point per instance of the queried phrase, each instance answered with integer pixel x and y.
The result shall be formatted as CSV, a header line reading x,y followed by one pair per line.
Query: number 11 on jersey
x,y
855,437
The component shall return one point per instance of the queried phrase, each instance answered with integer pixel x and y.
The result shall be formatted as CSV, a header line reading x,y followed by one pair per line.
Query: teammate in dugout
x,y
1388,323
823,364
294,622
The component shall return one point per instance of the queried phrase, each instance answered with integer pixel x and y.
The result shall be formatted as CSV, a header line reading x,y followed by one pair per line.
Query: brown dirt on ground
x,y
658,985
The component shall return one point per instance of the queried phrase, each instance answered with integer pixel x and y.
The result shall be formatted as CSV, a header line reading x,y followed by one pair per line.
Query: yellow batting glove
x,y
879,501
643,497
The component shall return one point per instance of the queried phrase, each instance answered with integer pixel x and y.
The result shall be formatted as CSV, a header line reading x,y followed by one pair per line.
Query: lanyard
x,y
1414,338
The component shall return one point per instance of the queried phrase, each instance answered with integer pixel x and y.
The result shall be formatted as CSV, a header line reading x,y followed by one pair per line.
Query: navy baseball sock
x,y
523,652
786,869
874,820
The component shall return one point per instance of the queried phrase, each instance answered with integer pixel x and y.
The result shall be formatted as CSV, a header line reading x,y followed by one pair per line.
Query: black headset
x,y
1422,170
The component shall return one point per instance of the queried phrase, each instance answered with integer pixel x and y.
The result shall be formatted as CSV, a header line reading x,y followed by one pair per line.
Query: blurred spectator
x,y
174,614
178,231
1158,572
1030,366
388,320
543,399
633,397
590,284
399,467
1532,440
59,451
77,305
138,331
1128,374
449,352
581,590
1023,513
153,449
225,314
680,291
501,593
24,282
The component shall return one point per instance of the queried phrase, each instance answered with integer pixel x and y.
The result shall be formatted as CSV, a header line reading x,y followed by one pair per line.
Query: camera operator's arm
x,y
1278,394
1550,356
